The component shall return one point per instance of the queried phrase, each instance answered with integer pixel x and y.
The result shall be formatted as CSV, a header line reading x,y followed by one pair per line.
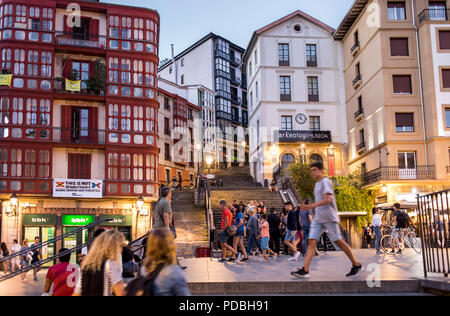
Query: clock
x,y
301,118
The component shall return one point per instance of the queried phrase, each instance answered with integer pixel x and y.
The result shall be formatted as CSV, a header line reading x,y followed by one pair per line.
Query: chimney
x,y
175,68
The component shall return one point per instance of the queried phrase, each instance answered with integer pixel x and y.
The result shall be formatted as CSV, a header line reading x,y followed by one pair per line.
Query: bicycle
x,y
391,244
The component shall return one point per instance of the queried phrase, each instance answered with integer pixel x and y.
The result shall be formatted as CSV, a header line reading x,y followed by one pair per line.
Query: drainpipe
x,y
420,81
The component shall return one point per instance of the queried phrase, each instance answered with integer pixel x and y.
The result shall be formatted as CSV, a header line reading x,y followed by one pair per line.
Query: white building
x,y
215,63
296,90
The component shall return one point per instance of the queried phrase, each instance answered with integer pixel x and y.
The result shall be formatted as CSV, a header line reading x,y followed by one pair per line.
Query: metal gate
x,y
433,211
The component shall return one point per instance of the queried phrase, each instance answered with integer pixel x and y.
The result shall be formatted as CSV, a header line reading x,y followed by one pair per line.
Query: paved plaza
x,y
207,276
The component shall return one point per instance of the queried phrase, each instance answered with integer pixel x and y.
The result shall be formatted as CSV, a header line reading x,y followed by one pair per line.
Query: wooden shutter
x,y
402,84
93,125
444,39
67,70
399,47
79,166
92,73
446,78
94,30
66,123
404,119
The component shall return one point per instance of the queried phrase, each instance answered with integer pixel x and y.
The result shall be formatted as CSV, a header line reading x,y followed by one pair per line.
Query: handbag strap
x,y
107,279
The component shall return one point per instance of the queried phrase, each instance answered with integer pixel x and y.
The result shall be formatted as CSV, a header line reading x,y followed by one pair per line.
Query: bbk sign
x,y
116,220
39,220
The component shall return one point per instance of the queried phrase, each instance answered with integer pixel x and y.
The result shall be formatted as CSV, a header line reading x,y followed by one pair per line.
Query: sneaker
x,y
354,271
238,257
231,259
300,273
297,255
245,259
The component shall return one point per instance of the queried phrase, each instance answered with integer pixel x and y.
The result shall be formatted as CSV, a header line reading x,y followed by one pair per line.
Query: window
x,y
82,72
256,90
182,79
166,126
311,55
399,47
402,84
167,152
444,39
166,104
314,123
286,123
356,38
283,54
404,122
190,115
182,62
285,88
446,78
256,57
313,89
362,140
437,10
396,11
79,166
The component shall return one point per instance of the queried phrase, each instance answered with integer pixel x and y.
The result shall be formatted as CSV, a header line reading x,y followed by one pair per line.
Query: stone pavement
x,y
206,276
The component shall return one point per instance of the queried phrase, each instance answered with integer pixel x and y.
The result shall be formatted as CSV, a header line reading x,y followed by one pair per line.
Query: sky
x,y
184,22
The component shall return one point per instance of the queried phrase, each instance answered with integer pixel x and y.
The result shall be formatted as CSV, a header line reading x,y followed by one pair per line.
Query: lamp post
x,y
209,161
13,199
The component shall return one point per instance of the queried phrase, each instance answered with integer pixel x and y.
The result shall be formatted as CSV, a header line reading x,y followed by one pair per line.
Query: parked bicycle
x,y
398,240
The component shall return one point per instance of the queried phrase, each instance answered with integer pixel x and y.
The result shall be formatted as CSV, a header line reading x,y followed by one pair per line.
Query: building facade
x,y
78,121
397,61
179,125
295,93
216,64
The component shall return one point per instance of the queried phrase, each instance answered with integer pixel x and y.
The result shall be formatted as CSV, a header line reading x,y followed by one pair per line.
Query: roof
x,y
282,20
176,96
350,18
197,44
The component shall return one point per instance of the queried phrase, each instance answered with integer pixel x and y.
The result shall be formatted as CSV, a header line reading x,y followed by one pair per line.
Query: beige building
x,y
397,62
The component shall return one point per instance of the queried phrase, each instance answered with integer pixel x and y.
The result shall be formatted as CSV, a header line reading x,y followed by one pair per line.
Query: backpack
x,y
402,219
143,286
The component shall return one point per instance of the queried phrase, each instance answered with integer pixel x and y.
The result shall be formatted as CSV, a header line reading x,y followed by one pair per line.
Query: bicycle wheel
x,y
389,245
415,244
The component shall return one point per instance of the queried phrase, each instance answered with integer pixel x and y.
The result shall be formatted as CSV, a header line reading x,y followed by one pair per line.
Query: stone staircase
x,y
190,223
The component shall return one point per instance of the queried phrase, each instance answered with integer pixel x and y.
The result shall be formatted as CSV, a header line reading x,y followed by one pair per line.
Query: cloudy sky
x,y
183,22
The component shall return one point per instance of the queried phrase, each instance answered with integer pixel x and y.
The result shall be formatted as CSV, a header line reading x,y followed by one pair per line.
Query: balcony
x,y
357,81
219,53
223,115
360,147
235,81
236,120
356,48
313,98
244,84
359,115
59,86
285,97
236,100
394,173
311,63
80,40
434,15
223,74
79,136
236,62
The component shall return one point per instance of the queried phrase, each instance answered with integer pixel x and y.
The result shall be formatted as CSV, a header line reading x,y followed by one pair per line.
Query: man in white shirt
x,y
376,224
15,262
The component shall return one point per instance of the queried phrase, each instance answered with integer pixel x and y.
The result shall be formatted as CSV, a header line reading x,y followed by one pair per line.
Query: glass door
x,y
407,166
44,234
75,240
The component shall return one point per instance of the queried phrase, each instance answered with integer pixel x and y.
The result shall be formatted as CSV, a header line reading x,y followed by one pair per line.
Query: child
x,y
264,228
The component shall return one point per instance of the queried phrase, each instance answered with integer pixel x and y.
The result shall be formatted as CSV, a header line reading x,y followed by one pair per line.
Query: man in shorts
x,y
326,217
291,233
227,220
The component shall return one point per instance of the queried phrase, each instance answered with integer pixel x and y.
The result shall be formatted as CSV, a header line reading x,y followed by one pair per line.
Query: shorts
x,y
240,234
290,235
223,236
333,231
264,243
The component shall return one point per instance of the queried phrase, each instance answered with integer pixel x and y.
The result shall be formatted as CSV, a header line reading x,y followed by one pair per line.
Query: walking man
x,y
291,233
326,217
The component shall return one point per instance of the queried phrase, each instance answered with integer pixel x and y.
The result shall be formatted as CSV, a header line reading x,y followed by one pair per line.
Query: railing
x,y
224,74
79,136
235,81
434,15
89,228
59,86
361,146
285,97
357,79
236,62
313,98
359,112
355,46
395,173
433,211
311,63
219,53
236,100
80,40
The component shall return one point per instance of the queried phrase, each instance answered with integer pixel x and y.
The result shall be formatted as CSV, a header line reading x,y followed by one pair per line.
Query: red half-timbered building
x,y
104,128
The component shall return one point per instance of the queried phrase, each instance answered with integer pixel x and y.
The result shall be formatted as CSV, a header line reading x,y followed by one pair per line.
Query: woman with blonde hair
x,y
101,270
160,264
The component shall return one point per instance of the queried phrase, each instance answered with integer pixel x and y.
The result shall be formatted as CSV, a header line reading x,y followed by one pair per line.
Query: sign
x,y
5,80
303,136
73,85
77,220
39,220
117,220
77,188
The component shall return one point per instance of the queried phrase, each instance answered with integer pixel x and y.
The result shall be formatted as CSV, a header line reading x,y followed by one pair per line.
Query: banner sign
x,y
303,136
73,85
82,188
77,220
117,220
39,220
5,80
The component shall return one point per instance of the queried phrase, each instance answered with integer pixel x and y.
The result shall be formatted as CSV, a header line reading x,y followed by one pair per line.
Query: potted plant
x,y
96,84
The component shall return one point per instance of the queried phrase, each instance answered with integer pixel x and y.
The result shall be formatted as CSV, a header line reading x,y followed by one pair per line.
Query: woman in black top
x,y
5,254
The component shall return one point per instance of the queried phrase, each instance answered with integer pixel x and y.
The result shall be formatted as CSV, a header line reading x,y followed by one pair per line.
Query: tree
x,y
300,174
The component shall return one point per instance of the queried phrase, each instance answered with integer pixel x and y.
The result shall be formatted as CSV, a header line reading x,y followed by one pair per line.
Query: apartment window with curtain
x,y
311,55
283,54
396,11
314,123
286,123
444,39
402,84
404,122
399,47
285,88
313,89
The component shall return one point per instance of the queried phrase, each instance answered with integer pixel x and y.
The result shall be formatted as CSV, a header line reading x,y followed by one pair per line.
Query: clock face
x,y
301,118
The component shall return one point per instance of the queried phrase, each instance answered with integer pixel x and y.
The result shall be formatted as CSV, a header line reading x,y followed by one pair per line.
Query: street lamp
x,y
384,189
13,199
140,203
244,143
209,161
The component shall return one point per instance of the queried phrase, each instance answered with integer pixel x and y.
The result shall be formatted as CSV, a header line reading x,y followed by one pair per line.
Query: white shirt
x,y
376,222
